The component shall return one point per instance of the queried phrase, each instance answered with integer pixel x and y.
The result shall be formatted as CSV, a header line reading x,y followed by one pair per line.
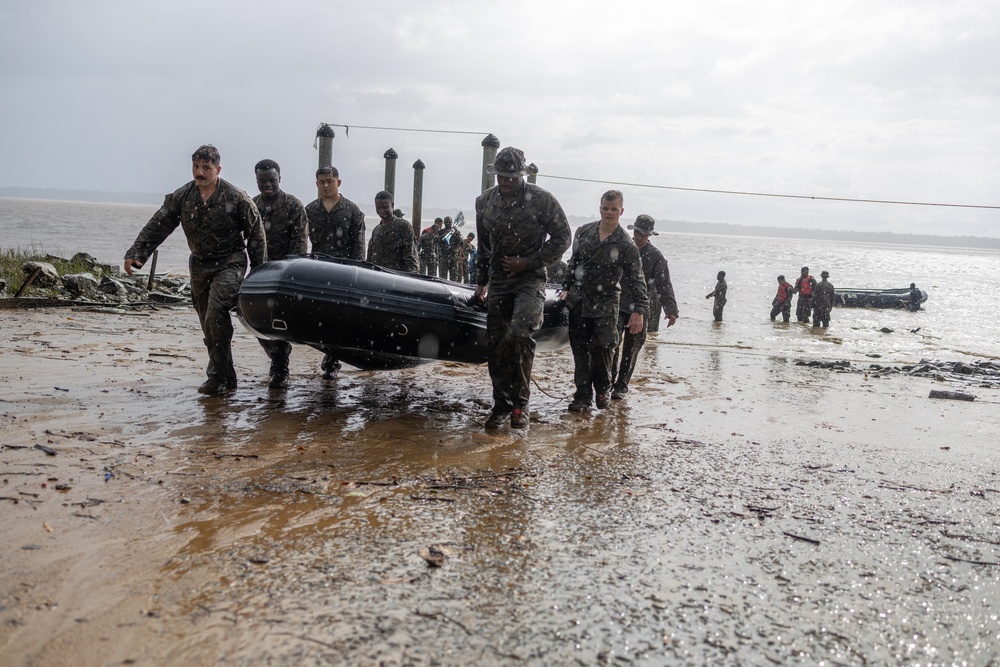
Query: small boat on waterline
x,y
375,318
876,298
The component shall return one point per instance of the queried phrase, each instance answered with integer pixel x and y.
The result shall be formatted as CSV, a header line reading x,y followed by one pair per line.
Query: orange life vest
x,y
806,286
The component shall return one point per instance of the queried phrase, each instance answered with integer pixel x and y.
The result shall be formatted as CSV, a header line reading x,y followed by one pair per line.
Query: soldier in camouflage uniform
x,y
719,294
603,256
521,229
337,229
469,258
657,275
427,248
222,227
448,253
391,244
823,298
286,229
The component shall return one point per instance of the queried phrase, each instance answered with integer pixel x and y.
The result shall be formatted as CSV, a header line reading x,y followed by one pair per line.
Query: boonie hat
x,y
824,274
509,163
644,225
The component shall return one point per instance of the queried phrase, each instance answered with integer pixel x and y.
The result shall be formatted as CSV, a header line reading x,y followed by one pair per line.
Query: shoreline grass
x,y
12,261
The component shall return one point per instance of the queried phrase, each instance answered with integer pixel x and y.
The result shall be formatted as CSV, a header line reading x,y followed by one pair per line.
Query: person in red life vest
x,y
782,300
804,287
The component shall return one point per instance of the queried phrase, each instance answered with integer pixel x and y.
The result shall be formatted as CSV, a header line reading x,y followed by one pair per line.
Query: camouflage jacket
x,y
597,267
391,246
531,225
447,240
657,274
227,224
339,233
427,244
719,293
285,225
823,294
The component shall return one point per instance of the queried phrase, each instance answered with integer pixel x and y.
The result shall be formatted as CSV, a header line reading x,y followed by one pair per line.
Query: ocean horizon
x,y
956,322
429,213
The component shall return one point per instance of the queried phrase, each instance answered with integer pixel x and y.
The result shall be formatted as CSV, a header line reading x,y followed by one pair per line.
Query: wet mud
x,y
736,508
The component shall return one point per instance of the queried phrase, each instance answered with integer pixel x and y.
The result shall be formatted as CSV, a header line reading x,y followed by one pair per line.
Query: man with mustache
x,y
223,228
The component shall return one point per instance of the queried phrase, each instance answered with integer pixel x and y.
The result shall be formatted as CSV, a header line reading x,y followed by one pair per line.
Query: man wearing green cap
x,y
657,274
521,229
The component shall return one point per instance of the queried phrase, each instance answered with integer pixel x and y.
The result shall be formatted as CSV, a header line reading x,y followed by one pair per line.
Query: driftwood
x,y
953,395
31,278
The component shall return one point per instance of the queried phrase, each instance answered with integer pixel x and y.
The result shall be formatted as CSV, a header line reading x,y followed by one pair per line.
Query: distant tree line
x,y
670,225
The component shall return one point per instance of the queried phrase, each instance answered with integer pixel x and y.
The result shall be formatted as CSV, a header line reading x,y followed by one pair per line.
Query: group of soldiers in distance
x,y
444,253
815,298
614,285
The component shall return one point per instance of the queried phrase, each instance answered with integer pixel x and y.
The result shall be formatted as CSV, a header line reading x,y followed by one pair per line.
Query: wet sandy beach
x,y
735,509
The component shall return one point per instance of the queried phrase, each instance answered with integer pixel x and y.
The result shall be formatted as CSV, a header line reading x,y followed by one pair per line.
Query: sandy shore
x,y
736,509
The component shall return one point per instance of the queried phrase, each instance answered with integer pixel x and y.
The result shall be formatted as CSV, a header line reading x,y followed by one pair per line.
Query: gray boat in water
x,y
880,298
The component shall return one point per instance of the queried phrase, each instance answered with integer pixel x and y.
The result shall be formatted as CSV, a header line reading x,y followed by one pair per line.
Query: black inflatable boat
x,y
877,298
375,318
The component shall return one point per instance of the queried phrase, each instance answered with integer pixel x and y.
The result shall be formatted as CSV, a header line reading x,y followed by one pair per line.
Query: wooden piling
x,y
490,146
390,171
418,196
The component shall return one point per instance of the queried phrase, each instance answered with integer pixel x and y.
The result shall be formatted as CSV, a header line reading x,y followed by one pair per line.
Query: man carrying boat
x,y
337,229
657,275
391,244
603,256
286,229
223,228
521,229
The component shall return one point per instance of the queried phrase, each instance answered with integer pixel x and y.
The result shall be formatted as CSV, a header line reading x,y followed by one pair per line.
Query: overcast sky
x,y
872,99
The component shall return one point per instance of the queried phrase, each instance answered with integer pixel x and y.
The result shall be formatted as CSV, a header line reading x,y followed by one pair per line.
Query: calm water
x,y
956,321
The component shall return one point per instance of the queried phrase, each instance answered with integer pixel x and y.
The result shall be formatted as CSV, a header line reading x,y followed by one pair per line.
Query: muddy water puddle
x,y
376,521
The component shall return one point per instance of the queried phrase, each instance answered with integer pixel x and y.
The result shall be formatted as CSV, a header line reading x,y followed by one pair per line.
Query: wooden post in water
x,y
418,196
490,146
532,173
390,171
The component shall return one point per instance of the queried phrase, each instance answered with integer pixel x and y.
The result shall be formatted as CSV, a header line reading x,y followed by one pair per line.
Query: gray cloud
x,y
893,100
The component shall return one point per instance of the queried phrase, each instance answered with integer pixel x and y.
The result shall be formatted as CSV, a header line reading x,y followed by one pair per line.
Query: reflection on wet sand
x,y
704,519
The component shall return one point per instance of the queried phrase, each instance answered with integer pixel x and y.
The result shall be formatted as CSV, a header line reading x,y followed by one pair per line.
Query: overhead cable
x,y
678,188
764,194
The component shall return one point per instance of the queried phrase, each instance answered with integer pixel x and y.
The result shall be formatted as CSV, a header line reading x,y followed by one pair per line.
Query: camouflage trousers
x,y
278,351
717,307
821,316
511,321
803,308
214,294
593,340
449,268
784,308
653,323
428,265
629,351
